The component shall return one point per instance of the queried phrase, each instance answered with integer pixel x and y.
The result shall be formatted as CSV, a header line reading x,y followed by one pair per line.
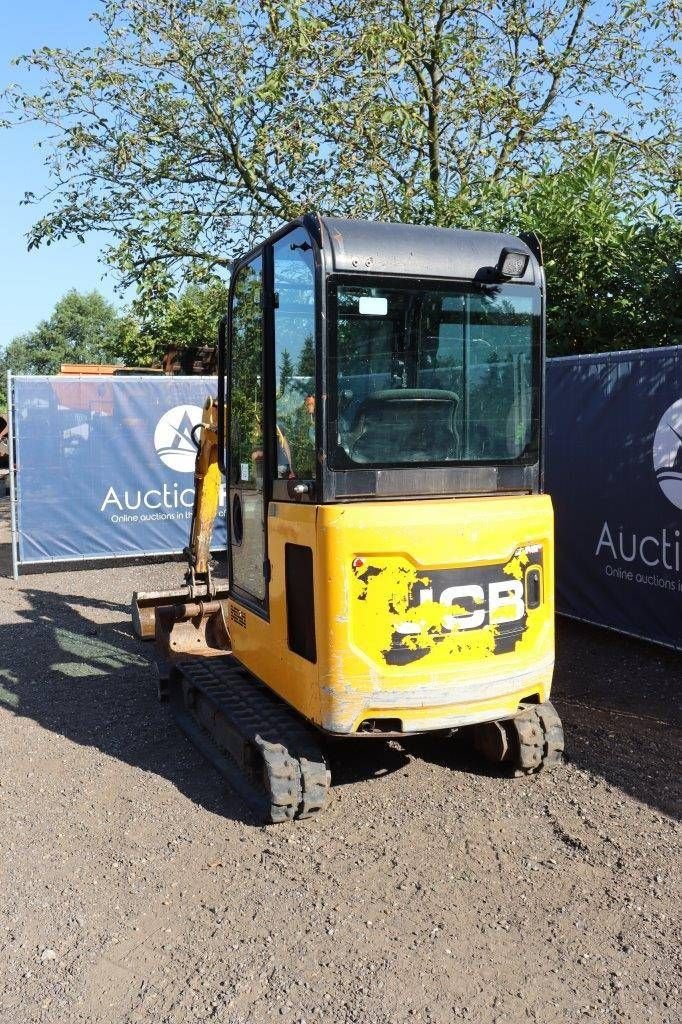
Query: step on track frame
x,y
266,753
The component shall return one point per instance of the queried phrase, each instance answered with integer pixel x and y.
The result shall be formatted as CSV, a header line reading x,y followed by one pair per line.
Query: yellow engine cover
x,y
431,613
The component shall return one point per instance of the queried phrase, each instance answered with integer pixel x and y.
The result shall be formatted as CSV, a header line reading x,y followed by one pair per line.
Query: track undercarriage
x,y
263,749
274,761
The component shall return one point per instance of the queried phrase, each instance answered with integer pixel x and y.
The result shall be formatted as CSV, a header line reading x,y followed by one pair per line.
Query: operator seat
x,y
416,424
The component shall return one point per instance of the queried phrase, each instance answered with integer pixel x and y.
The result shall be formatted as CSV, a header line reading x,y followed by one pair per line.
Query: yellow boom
x,y
192,620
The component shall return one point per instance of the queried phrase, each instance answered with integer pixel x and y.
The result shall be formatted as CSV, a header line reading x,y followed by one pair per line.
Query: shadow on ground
x,y
94,684
5,546
619,702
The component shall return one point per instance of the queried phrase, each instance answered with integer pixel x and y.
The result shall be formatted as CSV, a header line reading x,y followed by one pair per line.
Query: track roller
x,y
533,740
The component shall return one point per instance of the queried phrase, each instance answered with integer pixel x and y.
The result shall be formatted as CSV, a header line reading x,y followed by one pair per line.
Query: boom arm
x,y
206,496
192,620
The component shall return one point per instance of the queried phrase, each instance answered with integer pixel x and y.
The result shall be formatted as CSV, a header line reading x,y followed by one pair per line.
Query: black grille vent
x,y
298,571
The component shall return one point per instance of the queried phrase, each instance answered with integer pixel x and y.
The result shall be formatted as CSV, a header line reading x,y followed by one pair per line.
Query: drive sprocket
x,y
527,743
536,738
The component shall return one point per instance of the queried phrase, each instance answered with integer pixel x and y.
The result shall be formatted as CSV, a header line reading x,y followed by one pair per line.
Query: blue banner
x,y
104,465
614,471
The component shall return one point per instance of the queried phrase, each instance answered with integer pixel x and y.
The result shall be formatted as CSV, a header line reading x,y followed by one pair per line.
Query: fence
x,y
102,467
614,470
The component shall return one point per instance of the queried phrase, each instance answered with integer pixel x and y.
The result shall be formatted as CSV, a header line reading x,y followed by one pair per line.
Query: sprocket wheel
x,y
533,740
536,738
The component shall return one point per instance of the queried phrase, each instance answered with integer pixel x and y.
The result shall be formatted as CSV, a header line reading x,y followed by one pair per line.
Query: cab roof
x,y
415,250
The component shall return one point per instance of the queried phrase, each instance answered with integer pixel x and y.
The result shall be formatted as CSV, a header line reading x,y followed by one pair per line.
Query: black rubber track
x,y
536,738
269,756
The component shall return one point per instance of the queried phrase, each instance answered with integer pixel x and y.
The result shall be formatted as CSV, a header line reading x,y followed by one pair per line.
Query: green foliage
x,y
286,371
88,329
611,255
134,346
296,408
81,329
247,368
298,427
188,321
193,127
15,355
306,360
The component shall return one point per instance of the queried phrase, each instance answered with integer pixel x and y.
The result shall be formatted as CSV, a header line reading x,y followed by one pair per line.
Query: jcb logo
x,y
473,606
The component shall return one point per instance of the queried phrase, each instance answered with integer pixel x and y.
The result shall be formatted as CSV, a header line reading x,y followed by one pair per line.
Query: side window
x,y
294,285
246,398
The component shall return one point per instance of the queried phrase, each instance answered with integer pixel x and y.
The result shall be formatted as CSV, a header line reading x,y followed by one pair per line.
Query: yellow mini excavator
x,y
390,551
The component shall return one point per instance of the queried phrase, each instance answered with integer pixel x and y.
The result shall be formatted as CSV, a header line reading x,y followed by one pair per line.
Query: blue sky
x,y
31,282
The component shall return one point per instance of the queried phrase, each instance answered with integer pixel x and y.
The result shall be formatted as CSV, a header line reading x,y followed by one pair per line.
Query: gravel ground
x,y
137,889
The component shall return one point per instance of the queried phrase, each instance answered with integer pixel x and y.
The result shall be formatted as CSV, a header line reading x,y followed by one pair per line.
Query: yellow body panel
x,y
263,646
420,611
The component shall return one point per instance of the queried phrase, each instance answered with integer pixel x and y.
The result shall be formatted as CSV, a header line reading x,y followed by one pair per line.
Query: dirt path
x,y
135,888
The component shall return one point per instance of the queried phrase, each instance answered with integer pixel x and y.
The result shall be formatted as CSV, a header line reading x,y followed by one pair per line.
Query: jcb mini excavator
x,y
390,555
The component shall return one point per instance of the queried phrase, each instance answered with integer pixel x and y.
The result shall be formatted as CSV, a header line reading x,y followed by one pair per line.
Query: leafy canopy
x,y
88,329
613,260
185,321
195,125
81,329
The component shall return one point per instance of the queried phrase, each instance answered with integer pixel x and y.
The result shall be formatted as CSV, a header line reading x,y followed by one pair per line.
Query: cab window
x,y
294,287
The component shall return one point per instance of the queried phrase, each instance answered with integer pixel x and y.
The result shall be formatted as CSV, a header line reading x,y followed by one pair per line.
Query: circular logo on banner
x,y
173,437
668,453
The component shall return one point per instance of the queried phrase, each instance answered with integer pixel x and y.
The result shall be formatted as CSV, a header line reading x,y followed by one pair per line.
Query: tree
x,y
87,329
195,125
610,257
286,371
187,321
81,329
306,360
131,346
13,358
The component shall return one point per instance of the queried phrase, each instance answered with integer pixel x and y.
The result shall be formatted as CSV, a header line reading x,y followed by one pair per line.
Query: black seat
x,y
406,425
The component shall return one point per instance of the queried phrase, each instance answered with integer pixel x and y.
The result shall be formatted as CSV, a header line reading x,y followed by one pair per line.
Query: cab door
x,y
245,405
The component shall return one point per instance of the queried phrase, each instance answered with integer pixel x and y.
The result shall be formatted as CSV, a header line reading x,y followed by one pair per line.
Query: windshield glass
x,y
433,376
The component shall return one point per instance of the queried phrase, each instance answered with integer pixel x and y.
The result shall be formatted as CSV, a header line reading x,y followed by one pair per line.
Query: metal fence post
x,y
12,483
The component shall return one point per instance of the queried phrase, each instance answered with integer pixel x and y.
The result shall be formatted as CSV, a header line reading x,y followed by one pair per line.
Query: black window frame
x,y
283,490
531,459
250,601
362,484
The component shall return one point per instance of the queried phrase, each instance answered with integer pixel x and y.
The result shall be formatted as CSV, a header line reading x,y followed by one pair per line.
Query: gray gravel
x,y
137,889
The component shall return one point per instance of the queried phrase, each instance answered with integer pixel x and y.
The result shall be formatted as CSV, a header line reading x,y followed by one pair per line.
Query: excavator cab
x,y
379,427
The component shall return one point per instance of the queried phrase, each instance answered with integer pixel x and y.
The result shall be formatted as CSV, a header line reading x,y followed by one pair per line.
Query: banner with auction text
x,y
614,471
104,465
